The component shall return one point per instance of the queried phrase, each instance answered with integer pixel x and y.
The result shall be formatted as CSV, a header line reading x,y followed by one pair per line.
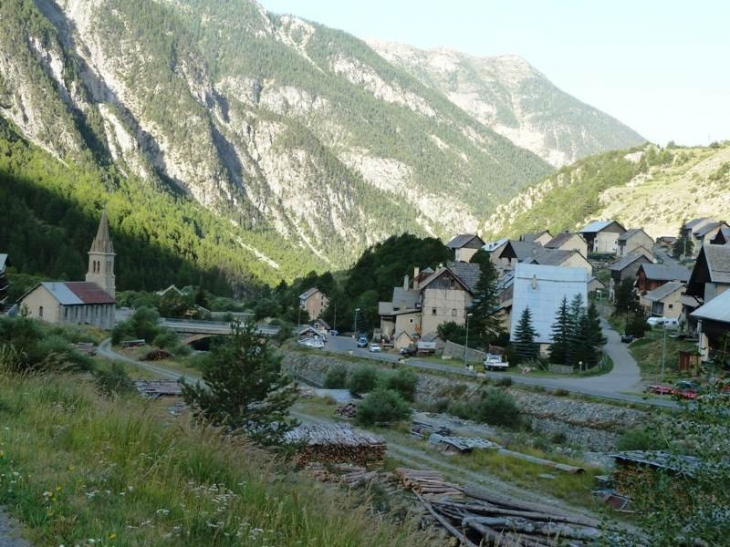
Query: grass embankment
x,y
76,467
648,354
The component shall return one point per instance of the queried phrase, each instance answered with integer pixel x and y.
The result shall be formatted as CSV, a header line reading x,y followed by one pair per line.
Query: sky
x,y
660,67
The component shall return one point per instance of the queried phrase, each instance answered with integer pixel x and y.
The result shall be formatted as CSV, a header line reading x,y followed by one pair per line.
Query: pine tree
x,y
594,340
561,334
243,388
576,311
485,322
525,334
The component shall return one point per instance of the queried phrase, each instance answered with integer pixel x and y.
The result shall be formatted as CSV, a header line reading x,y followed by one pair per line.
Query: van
x,y
666,322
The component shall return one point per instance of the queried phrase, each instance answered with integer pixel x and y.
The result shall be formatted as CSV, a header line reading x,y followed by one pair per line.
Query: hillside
x,y
282,126
654,188
514,99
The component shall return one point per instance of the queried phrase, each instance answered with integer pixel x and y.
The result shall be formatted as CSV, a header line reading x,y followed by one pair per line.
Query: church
x,y
84,302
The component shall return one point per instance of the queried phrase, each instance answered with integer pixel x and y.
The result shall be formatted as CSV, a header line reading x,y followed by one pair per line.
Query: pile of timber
x,y
335,443
158,388
85,347
486,518
348,410
349,475
156,355
429,483
461,445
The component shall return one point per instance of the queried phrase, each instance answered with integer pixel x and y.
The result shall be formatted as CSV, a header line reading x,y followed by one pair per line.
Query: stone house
x,y
563,258
314,302
465,246
626,268
706,234
710,276
513,252
568,241
632,239
602,236
712,323
653,276
665,301
542,289
538,237
433,298
722,237
70,302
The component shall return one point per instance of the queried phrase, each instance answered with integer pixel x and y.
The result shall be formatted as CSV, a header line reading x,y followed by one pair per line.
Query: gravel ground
x,y
10,532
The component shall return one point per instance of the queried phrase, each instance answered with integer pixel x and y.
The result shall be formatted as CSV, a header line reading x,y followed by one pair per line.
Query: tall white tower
x,y
101,258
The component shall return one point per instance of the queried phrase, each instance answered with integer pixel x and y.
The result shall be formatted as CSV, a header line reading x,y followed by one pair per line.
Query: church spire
x,y
102,242
101,258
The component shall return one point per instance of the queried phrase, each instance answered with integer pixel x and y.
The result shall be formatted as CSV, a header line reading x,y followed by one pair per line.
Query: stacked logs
x,y
429,483
485,518
348,410
335,443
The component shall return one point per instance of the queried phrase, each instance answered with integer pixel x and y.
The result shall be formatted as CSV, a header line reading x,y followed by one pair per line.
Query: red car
x,y
660,389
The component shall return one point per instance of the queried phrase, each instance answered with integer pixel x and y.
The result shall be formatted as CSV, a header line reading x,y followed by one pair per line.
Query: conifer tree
x,y
593,338
525,334
575,314
485,322
243,388
561,334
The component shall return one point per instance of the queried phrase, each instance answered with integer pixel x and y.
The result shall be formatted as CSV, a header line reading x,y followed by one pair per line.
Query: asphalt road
x,y
625,376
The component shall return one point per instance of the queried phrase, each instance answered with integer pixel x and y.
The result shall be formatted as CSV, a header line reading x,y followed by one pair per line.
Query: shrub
x,y
560,392
498,408
382,405
336,378
363,380
640,438
462,409
504,382
113,380
404,382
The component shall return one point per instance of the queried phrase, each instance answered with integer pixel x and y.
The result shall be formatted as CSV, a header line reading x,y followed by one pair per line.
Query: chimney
x,y
416,273
405,282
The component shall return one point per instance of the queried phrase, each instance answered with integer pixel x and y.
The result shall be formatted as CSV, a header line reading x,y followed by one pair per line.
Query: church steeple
x,y
101,258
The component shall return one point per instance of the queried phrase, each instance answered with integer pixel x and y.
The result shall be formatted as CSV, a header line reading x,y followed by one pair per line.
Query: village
x,y
676,286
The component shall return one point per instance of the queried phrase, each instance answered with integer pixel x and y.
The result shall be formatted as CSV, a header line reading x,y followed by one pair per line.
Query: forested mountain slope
x,y
511,97
282,126
650,187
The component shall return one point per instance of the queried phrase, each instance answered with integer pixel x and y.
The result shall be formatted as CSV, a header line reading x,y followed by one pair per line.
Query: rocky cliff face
x,y
511,97
276,123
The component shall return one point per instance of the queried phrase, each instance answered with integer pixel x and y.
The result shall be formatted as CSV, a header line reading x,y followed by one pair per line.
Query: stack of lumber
x,y
349,475
348,410
158,388
486,518
428,483
461,444
335,443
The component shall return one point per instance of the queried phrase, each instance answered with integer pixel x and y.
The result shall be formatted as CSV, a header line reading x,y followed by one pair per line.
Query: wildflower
x,y
113,535
2,453
71,468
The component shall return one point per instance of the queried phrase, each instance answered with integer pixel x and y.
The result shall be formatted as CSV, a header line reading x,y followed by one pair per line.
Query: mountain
x,y
650,187
511,97
301,139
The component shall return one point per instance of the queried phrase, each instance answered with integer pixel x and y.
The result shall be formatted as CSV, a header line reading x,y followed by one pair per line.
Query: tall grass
x,y
76,467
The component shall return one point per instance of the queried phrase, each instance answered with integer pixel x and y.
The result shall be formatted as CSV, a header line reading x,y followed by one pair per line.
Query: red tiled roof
x,y
90,293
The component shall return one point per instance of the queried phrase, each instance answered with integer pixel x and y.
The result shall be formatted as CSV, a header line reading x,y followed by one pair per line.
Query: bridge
x,y
209,328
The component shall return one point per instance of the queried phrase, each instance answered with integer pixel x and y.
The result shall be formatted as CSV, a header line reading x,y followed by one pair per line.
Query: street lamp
x,y
466,342
357,310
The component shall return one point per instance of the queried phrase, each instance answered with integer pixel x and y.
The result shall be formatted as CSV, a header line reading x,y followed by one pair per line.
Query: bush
x,y
498,408
114,380
404,382
640,438
504,382
462,409
336,378
382,405
363,380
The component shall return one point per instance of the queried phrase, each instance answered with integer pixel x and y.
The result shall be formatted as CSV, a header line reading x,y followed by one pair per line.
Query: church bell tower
x,y
101,258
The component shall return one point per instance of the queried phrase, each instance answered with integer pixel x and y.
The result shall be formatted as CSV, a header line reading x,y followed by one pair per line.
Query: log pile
x,y
335,443
351,476
348,410
485,518
429,483
156,355
158,388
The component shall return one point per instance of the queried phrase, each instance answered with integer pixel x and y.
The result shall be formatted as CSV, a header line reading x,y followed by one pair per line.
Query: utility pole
x,y
466,342
664,353
357,310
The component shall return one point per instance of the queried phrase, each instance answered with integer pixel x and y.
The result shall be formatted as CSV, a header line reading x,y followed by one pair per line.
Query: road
x,y
624,377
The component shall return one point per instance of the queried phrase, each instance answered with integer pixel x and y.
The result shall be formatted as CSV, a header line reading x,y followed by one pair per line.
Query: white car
x,y
666,322
374,348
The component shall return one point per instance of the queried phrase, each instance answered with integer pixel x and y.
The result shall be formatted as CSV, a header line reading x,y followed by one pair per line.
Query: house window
x,y
453,313
40,311
671,306
433,311
65,312
410,321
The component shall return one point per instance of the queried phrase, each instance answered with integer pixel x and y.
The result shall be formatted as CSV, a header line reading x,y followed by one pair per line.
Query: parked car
x,y
660,389
666,322
408,350
627,338
362,342
494,361
334,332
687,389
374,348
